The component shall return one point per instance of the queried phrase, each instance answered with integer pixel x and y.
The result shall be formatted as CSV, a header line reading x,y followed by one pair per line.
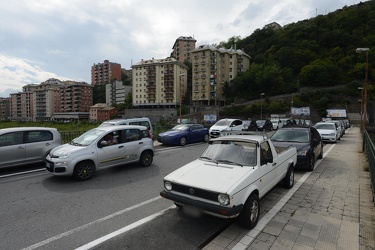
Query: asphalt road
x,y
120,208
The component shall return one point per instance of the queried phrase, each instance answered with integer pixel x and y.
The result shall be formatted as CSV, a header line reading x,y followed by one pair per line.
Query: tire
x,y
311,163
84,170
288,180
206,138
320,156
250,214
182,141
146,158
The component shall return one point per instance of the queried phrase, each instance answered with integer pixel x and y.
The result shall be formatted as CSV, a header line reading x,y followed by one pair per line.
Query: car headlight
x,y
168,185
223,199
332,134
303,151
65,155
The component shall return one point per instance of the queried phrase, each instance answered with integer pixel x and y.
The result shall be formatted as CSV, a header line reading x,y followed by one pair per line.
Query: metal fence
x,y
369,149
68,136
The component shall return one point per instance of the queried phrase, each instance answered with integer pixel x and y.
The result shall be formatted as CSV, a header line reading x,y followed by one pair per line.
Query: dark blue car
x,y
183,134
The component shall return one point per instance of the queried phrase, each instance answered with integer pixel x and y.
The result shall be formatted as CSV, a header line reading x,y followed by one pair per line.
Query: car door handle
x,y
120,146
48,144
141,142
21,147
273,164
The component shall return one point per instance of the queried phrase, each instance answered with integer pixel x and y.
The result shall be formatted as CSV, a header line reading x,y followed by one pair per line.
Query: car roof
x,y
117,127
17,129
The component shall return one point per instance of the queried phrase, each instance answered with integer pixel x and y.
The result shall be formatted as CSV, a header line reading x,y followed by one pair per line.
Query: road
x,y
120,208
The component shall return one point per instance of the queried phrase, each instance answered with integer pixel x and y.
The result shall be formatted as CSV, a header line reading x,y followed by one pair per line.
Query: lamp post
x,y
261,104
360,50
291,108
181,98
360,88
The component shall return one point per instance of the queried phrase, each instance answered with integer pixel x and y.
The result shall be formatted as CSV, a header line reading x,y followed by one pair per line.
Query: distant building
x,y
101,112
76,97
159,83
273,25
21,106
212,67
116,92
103,73
4,108
182,48
46,98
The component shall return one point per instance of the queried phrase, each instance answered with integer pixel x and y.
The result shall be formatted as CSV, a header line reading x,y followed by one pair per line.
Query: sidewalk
x,y
331,209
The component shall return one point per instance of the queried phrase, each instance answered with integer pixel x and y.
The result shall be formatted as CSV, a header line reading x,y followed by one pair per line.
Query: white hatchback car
x,y
26,145
328,131
226,125
94,150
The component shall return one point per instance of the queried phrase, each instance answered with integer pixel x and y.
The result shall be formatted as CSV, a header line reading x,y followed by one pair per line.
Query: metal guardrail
x,y
369,149
68,136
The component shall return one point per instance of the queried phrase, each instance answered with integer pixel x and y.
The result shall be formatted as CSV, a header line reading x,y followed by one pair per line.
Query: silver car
x,y
101,148
26,145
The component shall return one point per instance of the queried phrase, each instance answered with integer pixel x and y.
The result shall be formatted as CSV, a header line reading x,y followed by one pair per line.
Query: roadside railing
x,y
68,136
369,149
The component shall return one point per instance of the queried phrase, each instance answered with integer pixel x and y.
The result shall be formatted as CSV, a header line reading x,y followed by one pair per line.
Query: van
x,y
26,145
141,121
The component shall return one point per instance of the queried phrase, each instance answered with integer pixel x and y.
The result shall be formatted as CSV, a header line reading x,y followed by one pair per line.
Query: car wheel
x,y
206,138
178,205
320,156
146,158
250,214
311,163
84,170
289,178
183,141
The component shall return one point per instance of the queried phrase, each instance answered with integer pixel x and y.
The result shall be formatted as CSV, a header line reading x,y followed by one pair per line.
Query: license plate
x,y
48,165
192,211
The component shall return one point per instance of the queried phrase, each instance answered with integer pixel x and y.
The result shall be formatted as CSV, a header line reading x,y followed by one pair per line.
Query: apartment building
x,y
212,68
103,73
4,108
46,98
116,92
101,112
159,83
182,48
21,106
76,97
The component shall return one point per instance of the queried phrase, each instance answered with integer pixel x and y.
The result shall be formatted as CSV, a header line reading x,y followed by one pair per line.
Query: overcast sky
x,y
42,39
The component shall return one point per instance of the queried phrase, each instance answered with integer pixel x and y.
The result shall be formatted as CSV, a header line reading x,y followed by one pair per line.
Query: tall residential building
x,y
182,48
212,67
116,92
106,72
76,97
159,83
46,99
21,106
4,108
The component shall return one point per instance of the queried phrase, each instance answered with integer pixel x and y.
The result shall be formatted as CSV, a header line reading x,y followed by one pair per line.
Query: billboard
x,y
336,113
303,111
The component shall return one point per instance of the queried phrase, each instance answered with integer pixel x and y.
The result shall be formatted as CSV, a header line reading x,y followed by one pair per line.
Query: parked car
x,y
230,177
307,141
246,124
276,124
141,121
227,125
183,134
261,125
26,145
92,151
328,131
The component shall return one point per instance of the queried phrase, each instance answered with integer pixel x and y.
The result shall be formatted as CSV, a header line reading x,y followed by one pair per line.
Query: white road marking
x,y
253,233
47,241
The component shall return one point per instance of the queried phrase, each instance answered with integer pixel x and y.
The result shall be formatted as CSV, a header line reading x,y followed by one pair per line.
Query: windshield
x,y
231,152
260,123
223,123
88,137
325,126
180,127
301,136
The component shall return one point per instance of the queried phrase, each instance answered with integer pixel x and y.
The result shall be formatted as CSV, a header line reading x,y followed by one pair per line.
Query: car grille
x,y
50,166
197,192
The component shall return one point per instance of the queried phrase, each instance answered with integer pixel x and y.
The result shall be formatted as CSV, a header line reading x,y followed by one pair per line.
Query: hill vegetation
x,y
311,54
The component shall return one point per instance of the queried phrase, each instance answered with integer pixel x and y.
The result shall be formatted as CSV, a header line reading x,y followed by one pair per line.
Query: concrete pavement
x,y
329,208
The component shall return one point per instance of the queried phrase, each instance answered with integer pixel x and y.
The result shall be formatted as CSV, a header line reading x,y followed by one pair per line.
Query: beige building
x,y
21,106
4,108
182,48
46,99
159,83
212,68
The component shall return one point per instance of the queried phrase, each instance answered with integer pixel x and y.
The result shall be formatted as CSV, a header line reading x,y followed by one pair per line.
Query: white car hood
x,y
220,128
209,175
326,131
63,149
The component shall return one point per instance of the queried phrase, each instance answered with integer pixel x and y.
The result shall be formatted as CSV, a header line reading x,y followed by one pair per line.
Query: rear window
x,y
38,136
141,123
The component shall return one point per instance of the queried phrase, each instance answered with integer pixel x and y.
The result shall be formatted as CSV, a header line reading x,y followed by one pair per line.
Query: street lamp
x,y
291,108
360,50
181,97
261,104
360,88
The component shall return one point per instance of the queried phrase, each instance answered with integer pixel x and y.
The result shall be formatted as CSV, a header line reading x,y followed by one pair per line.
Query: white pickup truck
x,y
230,177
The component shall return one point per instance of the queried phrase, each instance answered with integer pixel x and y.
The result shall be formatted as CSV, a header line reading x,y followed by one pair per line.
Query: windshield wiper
x,y
208,158
230,162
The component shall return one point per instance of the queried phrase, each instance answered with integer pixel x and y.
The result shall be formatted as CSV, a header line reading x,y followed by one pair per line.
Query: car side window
x,y
141,123
9,139
38,136
132,135
265,153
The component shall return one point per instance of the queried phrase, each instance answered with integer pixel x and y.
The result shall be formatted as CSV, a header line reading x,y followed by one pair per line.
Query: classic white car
x,y
230,177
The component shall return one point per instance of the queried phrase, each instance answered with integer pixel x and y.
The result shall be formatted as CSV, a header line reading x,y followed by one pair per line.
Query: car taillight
x,y
148,133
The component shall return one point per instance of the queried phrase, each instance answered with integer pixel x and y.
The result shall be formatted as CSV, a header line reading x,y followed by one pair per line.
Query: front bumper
x,y
215,210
